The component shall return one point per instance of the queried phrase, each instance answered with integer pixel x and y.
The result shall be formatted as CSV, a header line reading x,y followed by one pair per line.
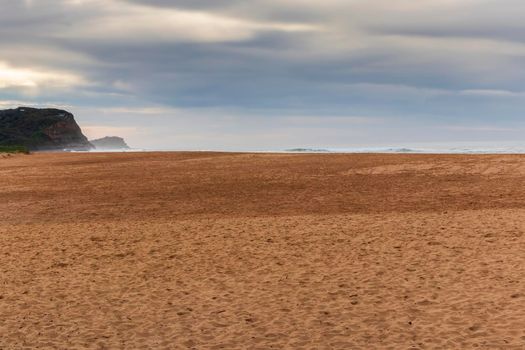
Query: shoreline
x,y
320,152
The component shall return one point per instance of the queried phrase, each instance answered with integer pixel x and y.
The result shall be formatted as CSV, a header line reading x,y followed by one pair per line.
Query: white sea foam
x,y
436,148
419,150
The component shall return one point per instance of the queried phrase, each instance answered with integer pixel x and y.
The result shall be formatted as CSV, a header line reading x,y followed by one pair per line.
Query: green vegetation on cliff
x,y
13,149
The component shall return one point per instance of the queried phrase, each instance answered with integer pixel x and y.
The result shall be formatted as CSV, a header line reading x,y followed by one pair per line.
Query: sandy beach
x,y
262,251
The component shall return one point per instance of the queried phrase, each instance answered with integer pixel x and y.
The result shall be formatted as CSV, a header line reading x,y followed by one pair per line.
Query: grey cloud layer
x,y
431,62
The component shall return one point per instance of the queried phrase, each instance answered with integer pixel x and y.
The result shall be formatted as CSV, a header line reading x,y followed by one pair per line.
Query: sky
x,y
271,74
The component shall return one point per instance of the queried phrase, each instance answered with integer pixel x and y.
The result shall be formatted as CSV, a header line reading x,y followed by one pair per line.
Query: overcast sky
x,y
271,74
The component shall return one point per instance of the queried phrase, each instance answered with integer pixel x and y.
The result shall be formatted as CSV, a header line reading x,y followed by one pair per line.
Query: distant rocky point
x,y
110,143
41,130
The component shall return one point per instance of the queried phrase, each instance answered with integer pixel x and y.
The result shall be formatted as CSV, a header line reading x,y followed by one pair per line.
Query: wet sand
x,y
262,251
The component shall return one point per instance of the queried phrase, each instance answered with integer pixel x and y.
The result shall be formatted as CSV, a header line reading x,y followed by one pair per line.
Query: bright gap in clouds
x,y
122,21
34,79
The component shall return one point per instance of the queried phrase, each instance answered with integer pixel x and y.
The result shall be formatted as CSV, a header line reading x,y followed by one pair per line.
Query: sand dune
x,y
262,251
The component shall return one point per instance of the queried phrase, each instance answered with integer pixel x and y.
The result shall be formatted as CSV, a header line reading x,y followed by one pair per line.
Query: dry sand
x,y
262,251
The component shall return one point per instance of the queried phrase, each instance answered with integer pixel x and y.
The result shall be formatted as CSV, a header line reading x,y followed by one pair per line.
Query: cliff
x,y
110,143
41,129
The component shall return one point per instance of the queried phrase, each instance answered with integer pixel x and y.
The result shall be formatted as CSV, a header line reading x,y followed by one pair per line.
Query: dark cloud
x,y
193,4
